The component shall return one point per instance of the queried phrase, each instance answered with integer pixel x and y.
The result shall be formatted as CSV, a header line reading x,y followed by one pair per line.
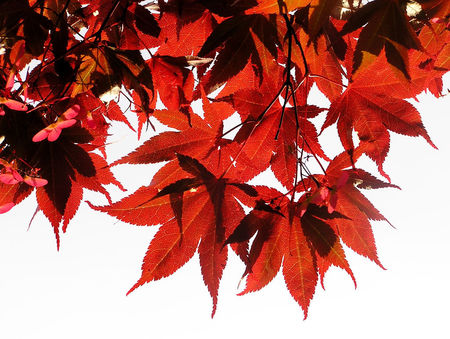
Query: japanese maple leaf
x,y
174,81
205,213
184,28
371,115
194,138
235,40
69,169
302,243
426,67
59,168
386,25
340,192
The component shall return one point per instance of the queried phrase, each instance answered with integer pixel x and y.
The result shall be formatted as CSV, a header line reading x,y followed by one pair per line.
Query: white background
x,y
79,292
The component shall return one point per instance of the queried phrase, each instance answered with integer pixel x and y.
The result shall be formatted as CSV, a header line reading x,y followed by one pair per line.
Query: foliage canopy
x,y
64,62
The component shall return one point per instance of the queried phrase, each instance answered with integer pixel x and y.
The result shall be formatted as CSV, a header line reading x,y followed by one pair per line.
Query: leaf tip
x,y
134,287
214,310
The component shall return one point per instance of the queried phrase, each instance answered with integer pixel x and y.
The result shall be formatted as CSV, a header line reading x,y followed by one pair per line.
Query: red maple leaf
x,y
371,115
200,204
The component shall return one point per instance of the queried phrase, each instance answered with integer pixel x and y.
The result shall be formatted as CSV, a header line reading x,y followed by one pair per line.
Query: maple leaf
x,y
238,48
200,205
425,68
387,26
319,16
164,146
371,115
184,28
299,268
175,83
339,192
286,238
54,167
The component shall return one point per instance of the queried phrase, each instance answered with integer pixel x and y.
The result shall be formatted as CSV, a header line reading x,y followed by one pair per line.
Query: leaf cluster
x,y
67,64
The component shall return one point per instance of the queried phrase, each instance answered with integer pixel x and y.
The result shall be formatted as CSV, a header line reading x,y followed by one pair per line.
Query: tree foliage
x,y
64,62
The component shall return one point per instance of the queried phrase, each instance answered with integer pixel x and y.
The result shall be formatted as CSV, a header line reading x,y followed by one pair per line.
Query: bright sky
x,y
80,291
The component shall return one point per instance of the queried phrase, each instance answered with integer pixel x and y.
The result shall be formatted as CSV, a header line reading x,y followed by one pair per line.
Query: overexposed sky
x,y
79,292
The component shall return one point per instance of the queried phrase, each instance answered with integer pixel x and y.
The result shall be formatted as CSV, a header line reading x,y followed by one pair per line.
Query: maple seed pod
x,y
6,207
35,182
53,131
54,134
14,104
41,135
72,112
15,174
11,176
65,123
8,179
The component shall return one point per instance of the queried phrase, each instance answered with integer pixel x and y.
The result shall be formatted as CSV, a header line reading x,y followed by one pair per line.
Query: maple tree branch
x,y
300,165
269,106
288,85
237,126
287,70
282,111
130,102
297,160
